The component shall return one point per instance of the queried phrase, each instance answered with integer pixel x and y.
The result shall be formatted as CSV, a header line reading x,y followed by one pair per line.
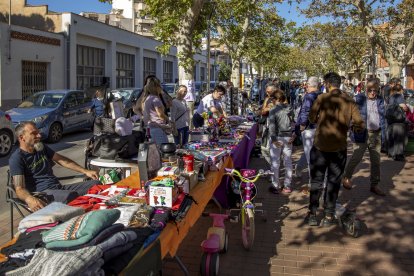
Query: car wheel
x,y
6,143
55,133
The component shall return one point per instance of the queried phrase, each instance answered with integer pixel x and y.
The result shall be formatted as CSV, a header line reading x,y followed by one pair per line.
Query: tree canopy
x,y
388,24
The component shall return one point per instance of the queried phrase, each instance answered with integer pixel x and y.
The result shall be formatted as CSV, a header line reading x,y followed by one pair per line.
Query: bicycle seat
x,y
212,244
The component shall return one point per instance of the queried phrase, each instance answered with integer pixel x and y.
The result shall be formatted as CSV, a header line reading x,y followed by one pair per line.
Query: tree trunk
x,y
185,51
235,73
395,69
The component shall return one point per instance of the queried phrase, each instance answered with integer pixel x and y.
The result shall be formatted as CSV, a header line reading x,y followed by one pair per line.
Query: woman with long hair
x,y
153,111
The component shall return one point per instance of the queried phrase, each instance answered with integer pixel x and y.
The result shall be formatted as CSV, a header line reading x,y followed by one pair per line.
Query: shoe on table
x,y
346,183
274,190
376,190
311,219
328,221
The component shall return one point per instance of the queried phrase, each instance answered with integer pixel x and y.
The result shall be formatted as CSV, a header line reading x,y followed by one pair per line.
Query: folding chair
x,y
15,202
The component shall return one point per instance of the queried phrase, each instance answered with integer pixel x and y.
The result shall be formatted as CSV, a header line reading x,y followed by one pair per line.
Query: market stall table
x,y
173,234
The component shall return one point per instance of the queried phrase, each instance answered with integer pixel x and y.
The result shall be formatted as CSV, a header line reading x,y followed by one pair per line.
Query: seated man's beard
x,y
39,146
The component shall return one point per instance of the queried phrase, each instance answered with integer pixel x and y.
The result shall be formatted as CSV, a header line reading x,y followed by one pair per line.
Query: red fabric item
x,y
91,203
97,189
178,201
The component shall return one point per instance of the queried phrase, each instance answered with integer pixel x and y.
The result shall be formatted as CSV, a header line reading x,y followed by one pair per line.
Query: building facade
x,y
76,52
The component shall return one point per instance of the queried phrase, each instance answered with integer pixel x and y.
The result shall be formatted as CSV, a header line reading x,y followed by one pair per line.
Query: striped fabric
x,y
80,229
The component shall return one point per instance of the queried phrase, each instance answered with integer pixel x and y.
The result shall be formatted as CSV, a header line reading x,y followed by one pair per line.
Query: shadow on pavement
x,y
386,245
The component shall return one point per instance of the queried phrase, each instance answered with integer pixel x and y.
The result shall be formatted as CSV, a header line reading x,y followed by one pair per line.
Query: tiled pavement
x,y
286,246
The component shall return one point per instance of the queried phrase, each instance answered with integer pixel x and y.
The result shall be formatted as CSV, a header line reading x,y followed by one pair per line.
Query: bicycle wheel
x,y
247,228
210,263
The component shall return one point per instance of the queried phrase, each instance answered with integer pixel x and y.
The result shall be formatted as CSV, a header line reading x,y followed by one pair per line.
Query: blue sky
x,y
78,6
75,6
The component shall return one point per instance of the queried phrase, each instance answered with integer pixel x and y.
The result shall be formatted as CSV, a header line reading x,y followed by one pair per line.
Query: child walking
x,y
281,132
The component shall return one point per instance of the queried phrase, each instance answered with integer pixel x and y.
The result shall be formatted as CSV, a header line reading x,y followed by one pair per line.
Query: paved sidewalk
x,y
286,246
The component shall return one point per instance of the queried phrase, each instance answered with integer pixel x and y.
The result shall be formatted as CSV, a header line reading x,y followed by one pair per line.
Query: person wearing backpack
x,y
281,134
371,108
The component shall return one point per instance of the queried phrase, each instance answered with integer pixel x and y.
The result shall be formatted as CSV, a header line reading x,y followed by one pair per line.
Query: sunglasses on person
x,y
372,90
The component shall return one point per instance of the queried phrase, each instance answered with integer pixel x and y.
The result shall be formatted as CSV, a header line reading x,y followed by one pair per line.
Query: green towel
x,y
81,229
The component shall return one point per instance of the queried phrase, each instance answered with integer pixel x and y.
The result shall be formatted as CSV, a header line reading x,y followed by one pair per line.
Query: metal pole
x,y
10,10
208,57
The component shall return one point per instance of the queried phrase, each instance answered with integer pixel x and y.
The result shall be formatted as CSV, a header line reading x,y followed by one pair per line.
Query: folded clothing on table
x,y
80,230
54,212
100,237
46,262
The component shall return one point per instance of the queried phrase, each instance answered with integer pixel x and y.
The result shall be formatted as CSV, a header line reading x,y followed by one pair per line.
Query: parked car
x,y
129,97
213,84
170,88
55,112
7,136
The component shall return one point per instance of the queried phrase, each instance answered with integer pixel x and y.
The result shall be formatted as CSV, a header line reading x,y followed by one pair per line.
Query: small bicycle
x,y
217,241
244,184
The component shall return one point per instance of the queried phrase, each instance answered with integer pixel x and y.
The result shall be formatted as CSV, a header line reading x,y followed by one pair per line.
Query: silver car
x,y
7,137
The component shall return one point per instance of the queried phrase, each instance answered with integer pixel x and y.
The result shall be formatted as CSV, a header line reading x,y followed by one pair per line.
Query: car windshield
x,y
41,100
124,93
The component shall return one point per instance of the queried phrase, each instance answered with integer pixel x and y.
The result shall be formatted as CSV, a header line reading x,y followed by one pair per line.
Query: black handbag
x,y
113,146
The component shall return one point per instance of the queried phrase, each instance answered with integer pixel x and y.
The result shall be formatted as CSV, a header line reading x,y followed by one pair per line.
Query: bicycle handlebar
x,y
250,179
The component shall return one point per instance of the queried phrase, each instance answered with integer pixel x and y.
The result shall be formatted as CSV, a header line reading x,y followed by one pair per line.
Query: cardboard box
x,y
160,196
167,170
192,179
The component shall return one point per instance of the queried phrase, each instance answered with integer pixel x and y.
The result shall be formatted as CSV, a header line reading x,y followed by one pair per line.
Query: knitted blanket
x,y
54,212
46,262
81,229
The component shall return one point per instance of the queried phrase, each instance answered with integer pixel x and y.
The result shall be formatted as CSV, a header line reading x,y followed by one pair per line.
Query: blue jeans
x,y
158,135
182,137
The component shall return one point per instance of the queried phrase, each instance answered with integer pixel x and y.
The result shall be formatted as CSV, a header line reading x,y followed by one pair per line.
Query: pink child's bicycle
x,y
243,184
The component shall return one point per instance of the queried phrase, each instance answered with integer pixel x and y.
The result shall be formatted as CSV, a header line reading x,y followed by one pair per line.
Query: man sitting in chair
x,y
31,169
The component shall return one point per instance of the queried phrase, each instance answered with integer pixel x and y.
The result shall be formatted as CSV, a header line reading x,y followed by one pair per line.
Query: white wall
x,y
11,69
96,34
126,5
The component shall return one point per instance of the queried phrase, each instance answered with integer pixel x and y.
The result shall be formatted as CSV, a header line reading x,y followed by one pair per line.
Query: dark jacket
x,y
333,112
303,116
361,101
